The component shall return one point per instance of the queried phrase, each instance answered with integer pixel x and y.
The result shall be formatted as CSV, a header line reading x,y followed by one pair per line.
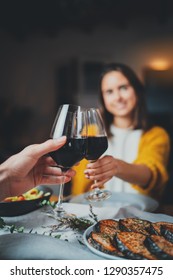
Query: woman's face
x,y
118,95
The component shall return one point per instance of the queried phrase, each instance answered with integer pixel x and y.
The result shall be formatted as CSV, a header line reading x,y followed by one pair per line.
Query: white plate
x,y
95,251
139,201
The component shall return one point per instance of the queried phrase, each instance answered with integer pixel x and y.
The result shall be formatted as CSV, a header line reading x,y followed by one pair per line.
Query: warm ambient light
x,y
160,64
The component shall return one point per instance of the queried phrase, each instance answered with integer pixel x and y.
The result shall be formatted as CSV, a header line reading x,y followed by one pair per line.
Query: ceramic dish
x,y
95,251
15,208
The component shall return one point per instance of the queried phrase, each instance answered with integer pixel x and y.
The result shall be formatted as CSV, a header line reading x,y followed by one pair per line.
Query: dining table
x,y
44,237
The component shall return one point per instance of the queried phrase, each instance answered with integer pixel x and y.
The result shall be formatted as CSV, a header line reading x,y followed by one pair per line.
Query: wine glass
x,y
70,121
97,144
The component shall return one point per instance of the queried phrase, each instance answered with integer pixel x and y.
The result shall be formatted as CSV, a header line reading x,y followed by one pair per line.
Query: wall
x,y
27,68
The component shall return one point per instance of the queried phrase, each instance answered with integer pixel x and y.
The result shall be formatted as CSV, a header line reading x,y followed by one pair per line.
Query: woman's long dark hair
x,y
140,113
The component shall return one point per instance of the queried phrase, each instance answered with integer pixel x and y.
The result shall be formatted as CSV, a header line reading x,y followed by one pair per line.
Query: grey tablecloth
x,y
39,245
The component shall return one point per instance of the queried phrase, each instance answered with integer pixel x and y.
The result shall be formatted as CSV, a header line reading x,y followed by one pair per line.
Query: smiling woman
x,y
137,155
119,98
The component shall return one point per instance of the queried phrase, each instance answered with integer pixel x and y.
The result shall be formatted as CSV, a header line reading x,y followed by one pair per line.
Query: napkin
x,y
131,211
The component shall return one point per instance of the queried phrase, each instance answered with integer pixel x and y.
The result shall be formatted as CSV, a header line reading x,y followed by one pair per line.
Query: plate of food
x,y
24,203
93,240
130,238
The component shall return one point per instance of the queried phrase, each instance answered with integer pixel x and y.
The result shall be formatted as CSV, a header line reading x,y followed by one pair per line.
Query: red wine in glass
x,y
70,121
96,145
72,152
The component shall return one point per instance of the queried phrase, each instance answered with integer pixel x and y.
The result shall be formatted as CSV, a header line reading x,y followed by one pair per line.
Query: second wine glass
x,y
70,121
97,144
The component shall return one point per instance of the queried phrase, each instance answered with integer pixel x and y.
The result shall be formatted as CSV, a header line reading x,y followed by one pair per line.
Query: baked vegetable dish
x,y
133,238
34,193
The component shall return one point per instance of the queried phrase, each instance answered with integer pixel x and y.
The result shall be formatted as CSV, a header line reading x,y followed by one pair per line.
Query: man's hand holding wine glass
x,y
71,122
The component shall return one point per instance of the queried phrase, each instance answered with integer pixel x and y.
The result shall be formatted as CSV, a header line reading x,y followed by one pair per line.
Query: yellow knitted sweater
x,y
153,151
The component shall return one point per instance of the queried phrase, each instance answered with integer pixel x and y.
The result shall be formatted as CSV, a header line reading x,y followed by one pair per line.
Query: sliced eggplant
x,y
167,231
134,238
159,228
109,227
155,229
103,243
135,225
131,244
107,222
159,247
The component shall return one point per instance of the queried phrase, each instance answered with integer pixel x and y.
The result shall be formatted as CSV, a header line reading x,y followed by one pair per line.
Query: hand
x,y
106,167
102,170
30,168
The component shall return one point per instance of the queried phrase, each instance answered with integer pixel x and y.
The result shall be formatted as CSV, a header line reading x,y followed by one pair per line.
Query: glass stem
x,y
96,190
59,205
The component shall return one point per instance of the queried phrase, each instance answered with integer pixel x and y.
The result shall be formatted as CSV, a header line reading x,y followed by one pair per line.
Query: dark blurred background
x,y
51,52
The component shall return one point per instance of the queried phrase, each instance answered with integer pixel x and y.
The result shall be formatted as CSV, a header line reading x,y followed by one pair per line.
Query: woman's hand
x,y
106,167
102,170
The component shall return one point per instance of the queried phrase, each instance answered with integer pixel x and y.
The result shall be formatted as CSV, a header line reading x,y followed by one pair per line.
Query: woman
x,y
137,155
